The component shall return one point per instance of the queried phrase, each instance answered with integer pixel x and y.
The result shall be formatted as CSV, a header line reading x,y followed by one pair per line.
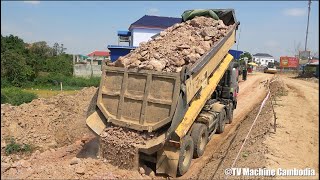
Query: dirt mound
x,y
63,163
181,44
48,123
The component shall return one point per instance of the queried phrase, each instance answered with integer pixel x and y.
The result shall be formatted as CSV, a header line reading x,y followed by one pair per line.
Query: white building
x,y
143,29
262,59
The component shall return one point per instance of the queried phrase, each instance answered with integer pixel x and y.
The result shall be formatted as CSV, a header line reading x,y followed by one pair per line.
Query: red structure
x,y
289,62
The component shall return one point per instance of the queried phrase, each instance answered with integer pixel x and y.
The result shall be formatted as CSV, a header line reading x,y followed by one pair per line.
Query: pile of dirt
x,y
181,44
63,163
120,144
277,87
48,123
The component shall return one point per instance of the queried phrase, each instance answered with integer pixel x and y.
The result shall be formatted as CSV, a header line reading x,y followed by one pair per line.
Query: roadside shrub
x,y
16,96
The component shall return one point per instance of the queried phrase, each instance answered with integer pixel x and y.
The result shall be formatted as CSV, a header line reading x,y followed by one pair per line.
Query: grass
x,y
47,93
16,96
44,86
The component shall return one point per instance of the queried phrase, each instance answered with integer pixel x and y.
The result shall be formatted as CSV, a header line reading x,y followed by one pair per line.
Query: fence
x,y
87,70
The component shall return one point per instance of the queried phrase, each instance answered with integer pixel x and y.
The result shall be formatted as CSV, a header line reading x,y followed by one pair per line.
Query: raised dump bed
x,y
147,99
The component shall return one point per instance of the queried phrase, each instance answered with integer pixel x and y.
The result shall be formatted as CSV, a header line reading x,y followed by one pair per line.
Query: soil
x,y
296,142
181,44
48,123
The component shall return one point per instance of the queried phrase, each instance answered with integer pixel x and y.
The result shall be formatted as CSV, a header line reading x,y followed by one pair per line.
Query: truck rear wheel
x,y
185,155
221,123
199,135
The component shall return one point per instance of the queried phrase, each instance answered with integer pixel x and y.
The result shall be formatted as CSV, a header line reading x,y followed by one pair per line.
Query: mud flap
x,y
96,123
167,160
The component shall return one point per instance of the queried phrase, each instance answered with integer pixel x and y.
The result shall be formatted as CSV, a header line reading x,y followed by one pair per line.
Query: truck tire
x,y
185,155
199,136
230,113
221,123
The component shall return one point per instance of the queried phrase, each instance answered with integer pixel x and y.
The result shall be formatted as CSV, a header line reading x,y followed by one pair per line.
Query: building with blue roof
x,y
141,30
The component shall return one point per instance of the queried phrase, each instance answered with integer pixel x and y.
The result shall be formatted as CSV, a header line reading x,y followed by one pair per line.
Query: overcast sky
x,y
270,27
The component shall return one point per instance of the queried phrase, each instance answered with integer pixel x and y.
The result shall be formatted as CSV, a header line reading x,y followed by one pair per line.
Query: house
x,y
141,30
98,56
263,58
144,28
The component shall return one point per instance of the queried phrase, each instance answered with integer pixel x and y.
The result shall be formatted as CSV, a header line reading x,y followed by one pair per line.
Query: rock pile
x,y
181,44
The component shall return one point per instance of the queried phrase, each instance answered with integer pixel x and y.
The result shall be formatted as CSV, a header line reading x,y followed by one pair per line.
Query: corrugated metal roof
x,y
160,22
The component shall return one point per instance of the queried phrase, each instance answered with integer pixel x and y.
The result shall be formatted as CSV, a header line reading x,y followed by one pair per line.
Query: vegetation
x,y
16,96
35,65
14,147
21,63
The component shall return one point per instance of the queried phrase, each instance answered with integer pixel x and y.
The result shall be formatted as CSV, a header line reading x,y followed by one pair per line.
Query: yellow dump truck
x,y
186,108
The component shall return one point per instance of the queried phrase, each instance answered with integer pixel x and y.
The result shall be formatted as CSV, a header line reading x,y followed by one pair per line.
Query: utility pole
x,y
309,8
238,39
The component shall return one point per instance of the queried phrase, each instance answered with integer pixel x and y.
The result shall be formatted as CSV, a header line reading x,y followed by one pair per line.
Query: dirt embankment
x,y
181,44
48,123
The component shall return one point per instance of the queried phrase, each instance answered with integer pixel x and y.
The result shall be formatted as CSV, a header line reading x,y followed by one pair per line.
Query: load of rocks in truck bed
x,y
181,44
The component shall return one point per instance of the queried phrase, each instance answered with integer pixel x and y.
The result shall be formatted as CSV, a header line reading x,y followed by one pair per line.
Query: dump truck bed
x,y
146,99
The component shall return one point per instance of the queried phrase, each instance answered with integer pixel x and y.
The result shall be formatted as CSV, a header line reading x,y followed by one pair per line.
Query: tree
x,y
22,62
15,69
58,49
41,49
55,49
62,49
13,43
246,55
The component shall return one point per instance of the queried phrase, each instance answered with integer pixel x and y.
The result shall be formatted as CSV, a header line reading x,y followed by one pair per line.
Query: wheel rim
x,y
187,156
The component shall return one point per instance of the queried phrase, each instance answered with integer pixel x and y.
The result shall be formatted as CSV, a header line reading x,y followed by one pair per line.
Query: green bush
x,y
14,147
5,83
16,96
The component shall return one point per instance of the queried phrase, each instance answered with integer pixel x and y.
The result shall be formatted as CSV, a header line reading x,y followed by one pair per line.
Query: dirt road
x,y
296,142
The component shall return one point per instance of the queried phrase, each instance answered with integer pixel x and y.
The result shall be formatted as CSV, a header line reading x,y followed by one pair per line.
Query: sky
x,y
274,27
